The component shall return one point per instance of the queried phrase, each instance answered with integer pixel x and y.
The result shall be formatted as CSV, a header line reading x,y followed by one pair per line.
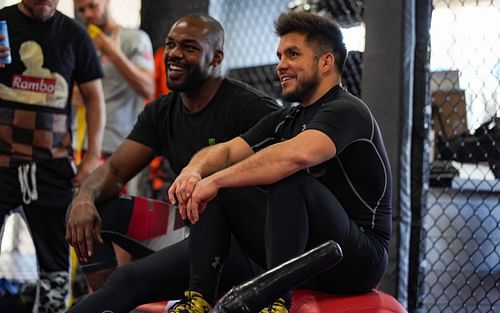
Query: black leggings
x,y
301,214
161,276
239,212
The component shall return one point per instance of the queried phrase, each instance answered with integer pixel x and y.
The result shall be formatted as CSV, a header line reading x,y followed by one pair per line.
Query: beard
x,y
103,20
193,80
304,89
40,14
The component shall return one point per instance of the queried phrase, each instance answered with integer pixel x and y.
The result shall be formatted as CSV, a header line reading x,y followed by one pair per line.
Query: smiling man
x,y
324,163
203,108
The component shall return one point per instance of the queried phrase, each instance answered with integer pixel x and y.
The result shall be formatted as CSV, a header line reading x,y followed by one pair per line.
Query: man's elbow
x,y
300,161
305,159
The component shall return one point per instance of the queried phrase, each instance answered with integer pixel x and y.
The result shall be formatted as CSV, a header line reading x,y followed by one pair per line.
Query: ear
x,y
218,57
327,62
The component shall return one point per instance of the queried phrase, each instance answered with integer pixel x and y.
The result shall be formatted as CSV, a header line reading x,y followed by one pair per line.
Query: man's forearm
x,y
95,130
142,81
215,158
94,116
263,168
278,161
101,185
208,160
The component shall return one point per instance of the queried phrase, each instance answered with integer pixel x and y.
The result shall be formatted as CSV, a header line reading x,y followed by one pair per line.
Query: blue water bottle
x,y
5,42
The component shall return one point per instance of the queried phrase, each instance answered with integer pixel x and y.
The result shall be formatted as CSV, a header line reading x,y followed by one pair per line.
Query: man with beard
x,y
202,109
324,163
126,56
50,53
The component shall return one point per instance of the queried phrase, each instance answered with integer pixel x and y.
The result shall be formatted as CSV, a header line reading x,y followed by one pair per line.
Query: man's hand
x,y
83,227
4,51
204,191
107,44
182,188
89,164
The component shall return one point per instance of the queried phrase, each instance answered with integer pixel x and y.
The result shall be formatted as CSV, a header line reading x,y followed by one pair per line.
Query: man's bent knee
x,y
97,279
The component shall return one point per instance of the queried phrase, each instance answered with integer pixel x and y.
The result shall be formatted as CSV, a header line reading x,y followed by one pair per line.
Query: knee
x,y
121,276
96,280
288,184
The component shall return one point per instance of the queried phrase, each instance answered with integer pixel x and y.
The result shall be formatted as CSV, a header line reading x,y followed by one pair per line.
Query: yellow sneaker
x,y
193,302
277,306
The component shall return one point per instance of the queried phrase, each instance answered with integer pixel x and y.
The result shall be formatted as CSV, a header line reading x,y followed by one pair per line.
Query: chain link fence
x,y
461,257
250,46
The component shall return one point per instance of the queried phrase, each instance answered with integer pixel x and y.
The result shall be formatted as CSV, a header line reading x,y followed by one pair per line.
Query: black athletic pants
x,y
161,276
239,212
43,190
301,214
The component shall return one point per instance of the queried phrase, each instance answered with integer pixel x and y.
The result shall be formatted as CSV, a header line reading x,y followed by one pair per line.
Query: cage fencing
x,y
461,250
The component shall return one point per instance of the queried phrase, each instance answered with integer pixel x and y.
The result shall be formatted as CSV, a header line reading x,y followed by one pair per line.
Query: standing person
x,y
202,109
324,163
126,57
49,53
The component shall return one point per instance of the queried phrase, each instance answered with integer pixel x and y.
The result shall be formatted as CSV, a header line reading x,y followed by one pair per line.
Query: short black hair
x,y
216,29
319,30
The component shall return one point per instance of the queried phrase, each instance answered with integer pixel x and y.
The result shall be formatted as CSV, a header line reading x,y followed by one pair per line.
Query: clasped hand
x,y
191,193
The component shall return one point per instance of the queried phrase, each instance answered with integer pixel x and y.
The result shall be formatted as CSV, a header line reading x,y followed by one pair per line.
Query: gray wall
x,y
387,87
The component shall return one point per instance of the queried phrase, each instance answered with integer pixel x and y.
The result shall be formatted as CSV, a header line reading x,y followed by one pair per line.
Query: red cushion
x,y
155,307
376,301
307,301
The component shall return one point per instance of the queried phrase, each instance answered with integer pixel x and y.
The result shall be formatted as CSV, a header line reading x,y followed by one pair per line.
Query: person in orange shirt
x,y
160,73
159,170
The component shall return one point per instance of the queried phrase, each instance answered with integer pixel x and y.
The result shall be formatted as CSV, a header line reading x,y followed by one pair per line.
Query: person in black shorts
x,y
50,52
203,109
323,161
